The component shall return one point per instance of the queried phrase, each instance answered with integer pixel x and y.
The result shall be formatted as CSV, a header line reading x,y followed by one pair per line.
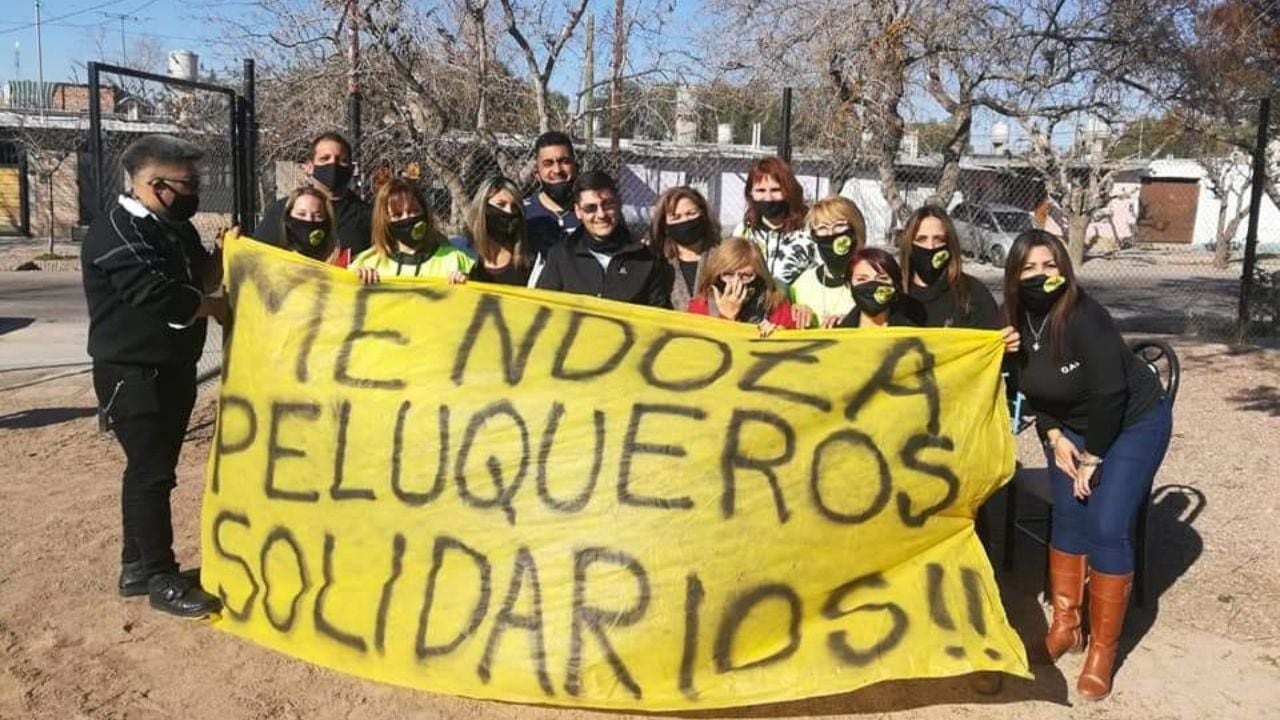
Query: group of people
x,y
151,284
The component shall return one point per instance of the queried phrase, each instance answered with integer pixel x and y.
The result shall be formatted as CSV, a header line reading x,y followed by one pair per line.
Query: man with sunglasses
x,y
601,257
147,280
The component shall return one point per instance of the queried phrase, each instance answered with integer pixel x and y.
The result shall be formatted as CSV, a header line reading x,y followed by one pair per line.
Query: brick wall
x,y
75,98
66,202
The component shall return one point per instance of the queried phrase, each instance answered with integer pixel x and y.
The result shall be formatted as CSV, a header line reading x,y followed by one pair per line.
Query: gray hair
x,y
151,150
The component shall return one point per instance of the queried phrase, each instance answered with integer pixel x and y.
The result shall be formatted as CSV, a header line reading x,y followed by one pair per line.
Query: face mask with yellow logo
x,y
929,264
835,251
1038,293
874,297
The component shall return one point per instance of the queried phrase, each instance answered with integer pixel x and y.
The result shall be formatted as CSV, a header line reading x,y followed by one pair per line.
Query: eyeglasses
x,y
745,276
831,229
607,208
191,183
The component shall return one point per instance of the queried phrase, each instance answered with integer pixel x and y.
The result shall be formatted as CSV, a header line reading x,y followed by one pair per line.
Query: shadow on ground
x,y
42,417
1263,399
9,324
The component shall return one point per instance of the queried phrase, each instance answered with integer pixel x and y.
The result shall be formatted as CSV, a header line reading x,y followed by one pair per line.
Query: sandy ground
x,y
1206,645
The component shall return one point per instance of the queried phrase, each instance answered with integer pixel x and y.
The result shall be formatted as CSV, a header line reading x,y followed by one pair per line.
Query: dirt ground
x,y
1206,645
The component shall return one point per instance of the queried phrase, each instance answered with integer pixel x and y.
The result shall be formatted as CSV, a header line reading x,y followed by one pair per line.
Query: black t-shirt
x,y
689,268
941,309
1094,386
508,275
353,216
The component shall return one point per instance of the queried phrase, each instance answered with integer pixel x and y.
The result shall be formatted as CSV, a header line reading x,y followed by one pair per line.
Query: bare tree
x,y
48,150
1228,179
540,69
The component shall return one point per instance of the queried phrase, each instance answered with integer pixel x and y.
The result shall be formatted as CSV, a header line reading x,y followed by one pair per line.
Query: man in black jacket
x,y
329,167
146,279
601,258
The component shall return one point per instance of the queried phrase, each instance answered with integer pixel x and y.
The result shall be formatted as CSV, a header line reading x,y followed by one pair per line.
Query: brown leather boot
x,y
1108,603
1066,593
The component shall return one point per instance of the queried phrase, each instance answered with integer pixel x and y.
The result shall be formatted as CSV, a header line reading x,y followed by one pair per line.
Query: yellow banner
x,y
535,497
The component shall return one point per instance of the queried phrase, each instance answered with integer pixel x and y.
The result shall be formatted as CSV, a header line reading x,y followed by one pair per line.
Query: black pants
x,y
148,409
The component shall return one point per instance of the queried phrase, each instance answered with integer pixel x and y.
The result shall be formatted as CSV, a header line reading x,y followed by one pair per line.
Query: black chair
x,y
1161,359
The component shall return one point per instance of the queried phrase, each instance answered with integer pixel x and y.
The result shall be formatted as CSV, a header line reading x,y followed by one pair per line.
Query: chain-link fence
x,y
132,103
1150,227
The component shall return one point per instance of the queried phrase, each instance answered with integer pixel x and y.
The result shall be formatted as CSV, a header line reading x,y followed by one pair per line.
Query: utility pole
x,y
615,92
44,106
353,79
589,82
124,53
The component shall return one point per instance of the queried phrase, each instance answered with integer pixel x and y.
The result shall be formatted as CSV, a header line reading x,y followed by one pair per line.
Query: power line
x,y
30,25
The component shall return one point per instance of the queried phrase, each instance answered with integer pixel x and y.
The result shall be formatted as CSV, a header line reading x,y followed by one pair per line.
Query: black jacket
x,y
143,284
634,274
353,216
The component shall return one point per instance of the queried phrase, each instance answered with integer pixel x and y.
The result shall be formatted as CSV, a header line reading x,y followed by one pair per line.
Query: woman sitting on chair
x,y
1105,424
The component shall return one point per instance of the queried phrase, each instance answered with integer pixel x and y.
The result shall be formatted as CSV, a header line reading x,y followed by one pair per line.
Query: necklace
x,y
1036,333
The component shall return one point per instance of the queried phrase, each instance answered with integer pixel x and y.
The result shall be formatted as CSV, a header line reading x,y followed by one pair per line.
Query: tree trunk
x,y
1077,229
52,229
951,154
1222,246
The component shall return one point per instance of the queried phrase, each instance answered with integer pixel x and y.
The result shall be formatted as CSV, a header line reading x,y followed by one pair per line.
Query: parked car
x,y
987,230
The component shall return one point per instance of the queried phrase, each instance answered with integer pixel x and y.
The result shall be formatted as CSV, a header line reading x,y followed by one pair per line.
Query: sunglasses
x,y
605,207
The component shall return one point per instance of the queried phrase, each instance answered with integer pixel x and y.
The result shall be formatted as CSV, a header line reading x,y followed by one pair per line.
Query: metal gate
x,y
218,118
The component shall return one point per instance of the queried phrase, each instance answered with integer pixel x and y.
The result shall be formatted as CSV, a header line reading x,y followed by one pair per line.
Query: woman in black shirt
x,y
682,231
874,280
1105,424
929,251
496,229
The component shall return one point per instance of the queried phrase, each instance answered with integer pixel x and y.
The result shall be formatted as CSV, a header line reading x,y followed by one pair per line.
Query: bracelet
x,y
1090,463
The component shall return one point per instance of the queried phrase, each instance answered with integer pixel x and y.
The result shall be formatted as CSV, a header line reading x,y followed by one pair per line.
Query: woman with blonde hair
x,y
736,285
821,293
683,231
496,229
307,227
406,241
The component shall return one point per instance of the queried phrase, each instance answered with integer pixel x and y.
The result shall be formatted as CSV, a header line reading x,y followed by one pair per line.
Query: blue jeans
x,y
1101,526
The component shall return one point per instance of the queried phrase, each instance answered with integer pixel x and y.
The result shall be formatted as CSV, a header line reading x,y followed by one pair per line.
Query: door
x,y
1167,210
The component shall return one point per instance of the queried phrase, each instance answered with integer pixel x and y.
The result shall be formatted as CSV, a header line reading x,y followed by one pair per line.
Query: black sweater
x,y
143,284
353,216
1094,386
939,301
634,274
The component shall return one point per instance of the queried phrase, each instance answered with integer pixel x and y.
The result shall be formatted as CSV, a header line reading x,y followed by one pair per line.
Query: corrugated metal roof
x,y
28,94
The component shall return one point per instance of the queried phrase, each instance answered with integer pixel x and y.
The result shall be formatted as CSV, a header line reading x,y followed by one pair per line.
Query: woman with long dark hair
x,y
682,231
1105,424
774,219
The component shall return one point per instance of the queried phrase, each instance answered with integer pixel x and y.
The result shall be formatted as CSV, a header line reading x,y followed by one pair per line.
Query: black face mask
x,y
561,192
874,297
309,237
181,208
1038,293
334,176
771,208
834,251
755,288
500,224
930,263
411,231
688,233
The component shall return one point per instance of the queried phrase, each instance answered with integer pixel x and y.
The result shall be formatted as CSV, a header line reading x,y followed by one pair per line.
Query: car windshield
x,y
1011,221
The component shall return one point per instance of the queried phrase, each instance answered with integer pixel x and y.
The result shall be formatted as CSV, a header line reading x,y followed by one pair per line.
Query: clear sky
x,y
76,31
